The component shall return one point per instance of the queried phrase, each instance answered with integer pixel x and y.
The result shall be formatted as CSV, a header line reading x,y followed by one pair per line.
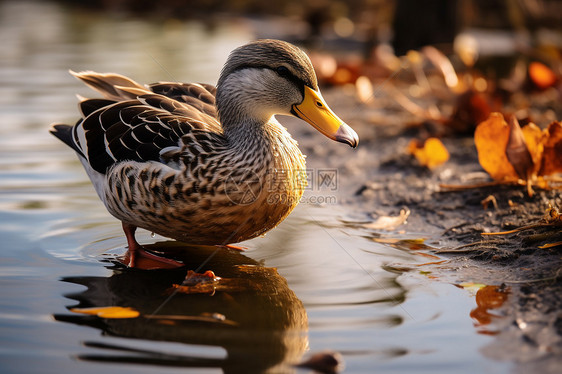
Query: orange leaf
x,y
552,153
491,138
541,75
432,154
534,139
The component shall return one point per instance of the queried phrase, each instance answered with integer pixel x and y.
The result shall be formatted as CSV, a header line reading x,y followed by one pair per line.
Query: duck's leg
x,y
138,257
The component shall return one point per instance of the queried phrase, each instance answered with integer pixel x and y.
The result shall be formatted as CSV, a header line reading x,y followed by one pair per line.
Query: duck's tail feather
x,y
112,86
65,134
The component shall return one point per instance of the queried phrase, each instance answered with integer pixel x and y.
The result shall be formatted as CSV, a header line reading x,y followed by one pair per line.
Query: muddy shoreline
x,y
380,179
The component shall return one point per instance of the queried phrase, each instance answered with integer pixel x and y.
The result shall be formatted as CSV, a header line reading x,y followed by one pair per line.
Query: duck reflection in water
x,y
248,309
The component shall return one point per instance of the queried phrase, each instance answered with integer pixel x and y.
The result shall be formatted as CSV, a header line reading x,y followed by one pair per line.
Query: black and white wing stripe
x,y
138,130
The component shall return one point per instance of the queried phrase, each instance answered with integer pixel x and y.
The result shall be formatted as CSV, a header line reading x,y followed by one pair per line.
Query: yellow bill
x,y
316,112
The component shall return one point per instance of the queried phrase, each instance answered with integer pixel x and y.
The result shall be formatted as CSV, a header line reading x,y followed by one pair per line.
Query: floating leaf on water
x,y
110,312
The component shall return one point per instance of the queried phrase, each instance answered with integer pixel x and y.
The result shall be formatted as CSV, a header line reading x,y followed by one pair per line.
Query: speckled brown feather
x,y
166,166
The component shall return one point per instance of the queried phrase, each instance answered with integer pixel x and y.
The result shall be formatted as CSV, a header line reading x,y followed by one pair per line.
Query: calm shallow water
x,y
333,288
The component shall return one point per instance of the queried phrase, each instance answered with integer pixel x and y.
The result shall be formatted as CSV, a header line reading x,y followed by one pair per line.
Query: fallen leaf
x,y
491,138
513,155
389,222
552,150
541,75
534,139
110,312
517,152
432,154
508,152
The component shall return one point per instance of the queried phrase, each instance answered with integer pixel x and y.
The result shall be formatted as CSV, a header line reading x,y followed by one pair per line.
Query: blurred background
x,y
392,69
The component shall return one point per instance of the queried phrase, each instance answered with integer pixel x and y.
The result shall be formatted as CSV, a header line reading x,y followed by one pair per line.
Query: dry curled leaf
x,y
509,153
389,222
432,154
552,150
533,136
517,151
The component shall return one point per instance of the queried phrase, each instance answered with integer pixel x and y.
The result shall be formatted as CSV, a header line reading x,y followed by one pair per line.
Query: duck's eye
x,y
283,71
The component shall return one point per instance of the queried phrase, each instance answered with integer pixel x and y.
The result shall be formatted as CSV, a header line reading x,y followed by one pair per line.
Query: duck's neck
x,y
248,123
245,133
259,145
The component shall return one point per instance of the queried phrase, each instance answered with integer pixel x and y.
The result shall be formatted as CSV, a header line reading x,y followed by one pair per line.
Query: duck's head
x,y
269,77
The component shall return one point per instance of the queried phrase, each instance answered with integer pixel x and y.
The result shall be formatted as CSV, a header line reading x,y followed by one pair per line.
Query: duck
x,y
197,163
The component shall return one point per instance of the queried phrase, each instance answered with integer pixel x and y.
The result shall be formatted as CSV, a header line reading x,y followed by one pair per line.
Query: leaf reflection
x,y
487,298
252,313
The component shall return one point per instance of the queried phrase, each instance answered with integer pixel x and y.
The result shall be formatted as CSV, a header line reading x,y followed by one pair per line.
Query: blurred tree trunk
x,y
419,23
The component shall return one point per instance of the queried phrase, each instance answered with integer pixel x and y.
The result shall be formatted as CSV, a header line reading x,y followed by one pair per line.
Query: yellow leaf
x,y
533,138
491,138
111,312
432,154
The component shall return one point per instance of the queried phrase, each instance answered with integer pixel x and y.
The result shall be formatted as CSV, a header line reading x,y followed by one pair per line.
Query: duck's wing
x,y
138,123
117,87
200,96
